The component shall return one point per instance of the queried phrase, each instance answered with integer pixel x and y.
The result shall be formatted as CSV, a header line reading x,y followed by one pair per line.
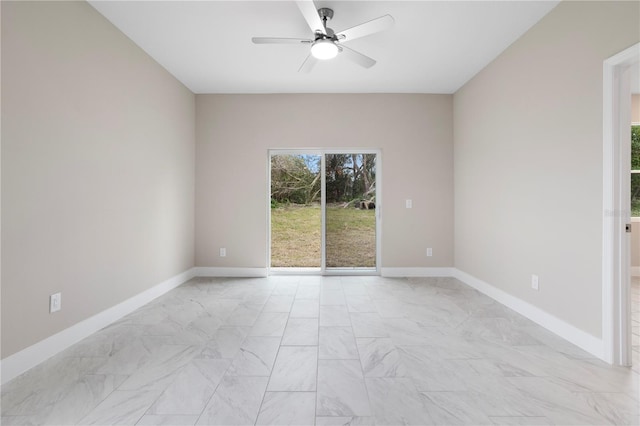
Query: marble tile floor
x,y
324,351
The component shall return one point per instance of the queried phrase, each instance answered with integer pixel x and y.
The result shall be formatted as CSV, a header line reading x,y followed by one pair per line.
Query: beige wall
x,y
234,133
528,161
97,169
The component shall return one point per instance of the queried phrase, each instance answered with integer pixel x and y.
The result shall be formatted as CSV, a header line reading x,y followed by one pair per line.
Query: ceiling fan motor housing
x,y
330,35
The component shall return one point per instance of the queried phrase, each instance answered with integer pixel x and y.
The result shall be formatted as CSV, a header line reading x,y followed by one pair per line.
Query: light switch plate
x,y
55,302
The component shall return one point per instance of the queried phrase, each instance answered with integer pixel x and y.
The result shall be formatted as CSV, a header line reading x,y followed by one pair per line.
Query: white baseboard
x,y
635,271
18,363
416,272
293,271
206,271
28,358
583,340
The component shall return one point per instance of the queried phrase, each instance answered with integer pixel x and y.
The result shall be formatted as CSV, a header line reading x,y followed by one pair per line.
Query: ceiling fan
x,y
326,43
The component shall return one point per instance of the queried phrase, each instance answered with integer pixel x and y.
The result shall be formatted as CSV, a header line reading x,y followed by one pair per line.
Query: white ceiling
x,y
434,46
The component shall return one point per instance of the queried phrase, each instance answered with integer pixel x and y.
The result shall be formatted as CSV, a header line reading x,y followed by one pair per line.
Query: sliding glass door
x,y
324,211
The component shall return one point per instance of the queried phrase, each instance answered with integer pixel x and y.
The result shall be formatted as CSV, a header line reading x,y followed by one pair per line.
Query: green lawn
x,y
296,238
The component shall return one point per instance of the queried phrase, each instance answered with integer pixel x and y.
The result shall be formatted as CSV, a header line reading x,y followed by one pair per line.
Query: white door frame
x,y
323,270
616,206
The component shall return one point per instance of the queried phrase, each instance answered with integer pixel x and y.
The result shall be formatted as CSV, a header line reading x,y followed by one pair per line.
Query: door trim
x,y
616,335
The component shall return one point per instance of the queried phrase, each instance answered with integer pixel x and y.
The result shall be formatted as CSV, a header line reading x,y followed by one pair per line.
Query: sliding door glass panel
x,y
296,217
350,211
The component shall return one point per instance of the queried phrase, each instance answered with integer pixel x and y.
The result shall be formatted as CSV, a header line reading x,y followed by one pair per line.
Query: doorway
x,y
324,212
635,223
618,77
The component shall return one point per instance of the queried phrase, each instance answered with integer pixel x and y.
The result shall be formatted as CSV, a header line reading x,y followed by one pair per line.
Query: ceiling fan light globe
x,y
324,49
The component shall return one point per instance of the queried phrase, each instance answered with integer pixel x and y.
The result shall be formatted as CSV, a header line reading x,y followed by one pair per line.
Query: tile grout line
x,y
364,382
227,369
264,394
315,405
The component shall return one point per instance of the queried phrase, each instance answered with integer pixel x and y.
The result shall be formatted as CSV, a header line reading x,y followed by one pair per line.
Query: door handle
x,y
627,228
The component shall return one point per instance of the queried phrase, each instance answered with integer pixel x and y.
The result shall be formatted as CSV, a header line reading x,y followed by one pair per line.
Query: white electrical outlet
x,y
223,252
535,283
55,302
429,252
408,203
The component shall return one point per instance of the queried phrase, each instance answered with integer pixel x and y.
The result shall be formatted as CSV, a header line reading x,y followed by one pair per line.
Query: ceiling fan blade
x,y
279,40
357,57
310,13
376,25
308,64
